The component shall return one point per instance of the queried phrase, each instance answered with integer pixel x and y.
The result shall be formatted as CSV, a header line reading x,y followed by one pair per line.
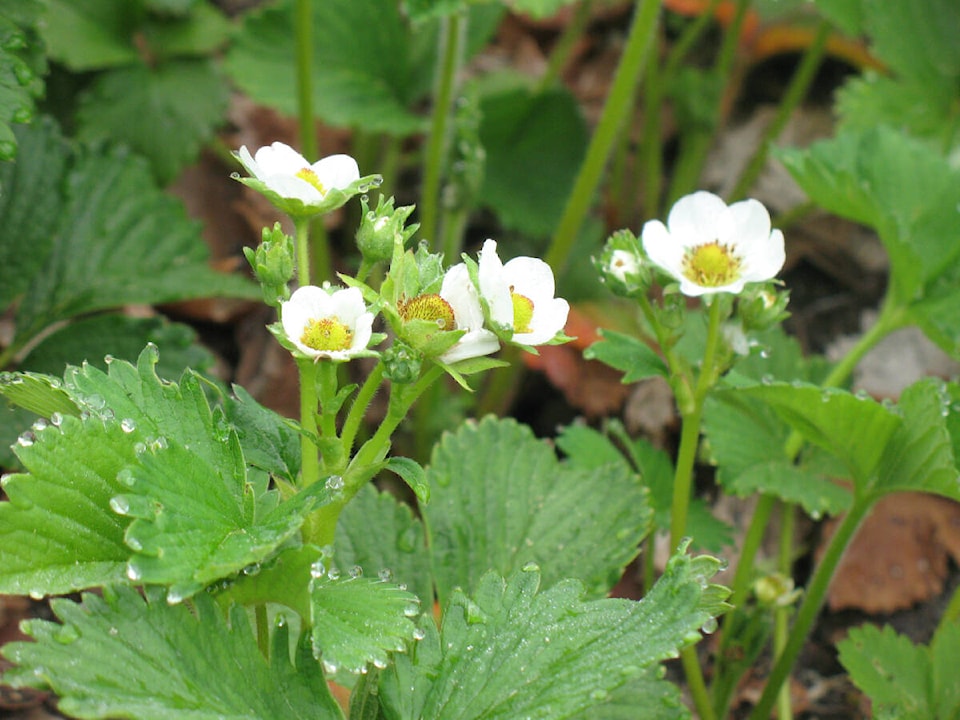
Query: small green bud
x,y
622,267
401,363
762,306
775,590
382,229
273,264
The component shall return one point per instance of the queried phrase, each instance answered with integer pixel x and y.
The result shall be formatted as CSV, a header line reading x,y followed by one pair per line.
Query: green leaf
x,y
513,651
919,456
854,428
746,440
380,534
412,474
633,357
57,532
899,186
371,84
118,240
588,449
502,499
535,144
22,66
90,34
903,679
196,517
122,656
269,441
165,113
30,206
102,337
359,621
40,394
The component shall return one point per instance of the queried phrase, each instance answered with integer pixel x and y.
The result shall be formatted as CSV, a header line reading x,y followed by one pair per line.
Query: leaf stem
x,y
302,238
560,55
358,409
451,57
781,627
810,607
303,28
618,103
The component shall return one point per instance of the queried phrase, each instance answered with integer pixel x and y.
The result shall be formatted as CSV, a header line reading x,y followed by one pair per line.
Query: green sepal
x,y
299,210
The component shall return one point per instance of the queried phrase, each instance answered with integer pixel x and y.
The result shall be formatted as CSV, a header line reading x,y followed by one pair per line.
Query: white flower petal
x,y
530,277
693,216
661,247
475,343
549,318
290,186
337,171
279,159
458,290
493,286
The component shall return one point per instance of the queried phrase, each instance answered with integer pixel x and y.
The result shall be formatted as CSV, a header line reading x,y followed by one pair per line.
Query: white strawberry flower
x,y
335,325
296,186
520,297
710,247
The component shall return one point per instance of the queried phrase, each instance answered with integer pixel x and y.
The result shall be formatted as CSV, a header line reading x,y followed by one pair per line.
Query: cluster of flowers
x,y
475,306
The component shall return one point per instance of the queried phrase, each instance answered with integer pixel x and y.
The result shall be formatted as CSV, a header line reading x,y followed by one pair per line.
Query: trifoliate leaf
x,y
500,499
633,357
513,651
535,144
122,656
381,535
118,240
902,679
57,531
358,621
197,517
22,66
854,428
165,113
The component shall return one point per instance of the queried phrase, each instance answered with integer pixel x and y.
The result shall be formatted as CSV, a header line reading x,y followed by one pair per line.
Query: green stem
x,y
650,162
618,103
688,39
781,627
810,607
560,55
328,383
303,28
796,91
263,629
695,683
451,57
309,458
302,240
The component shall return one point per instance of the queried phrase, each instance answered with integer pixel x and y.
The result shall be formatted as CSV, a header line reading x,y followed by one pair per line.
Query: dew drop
x,y
412,610
56,419
26,439
134,544
334,483
333,573
37,594
328,667
379,663
39,425
385,575
120,505
318,569
128,425
95,402
108,358
113,632
418,634
709,626
530,566
133,572
252,569
126,477
767,379
355,572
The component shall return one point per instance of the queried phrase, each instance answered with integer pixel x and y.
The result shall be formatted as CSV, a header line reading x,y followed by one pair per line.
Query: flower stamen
x,y
311,177
327,335
522,312
428,307
711,265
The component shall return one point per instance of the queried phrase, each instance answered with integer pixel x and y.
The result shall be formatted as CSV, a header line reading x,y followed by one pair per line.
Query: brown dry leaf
x,y
899,556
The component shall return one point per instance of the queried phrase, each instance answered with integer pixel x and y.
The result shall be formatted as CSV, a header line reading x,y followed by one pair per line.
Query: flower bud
x,y
622,267
762,306
382,229
273,264
775,590
401,363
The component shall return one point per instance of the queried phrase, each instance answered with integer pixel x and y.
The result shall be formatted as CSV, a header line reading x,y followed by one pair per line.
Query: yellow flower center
x,y
522,312
311,177
328,334
429,307
711,265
